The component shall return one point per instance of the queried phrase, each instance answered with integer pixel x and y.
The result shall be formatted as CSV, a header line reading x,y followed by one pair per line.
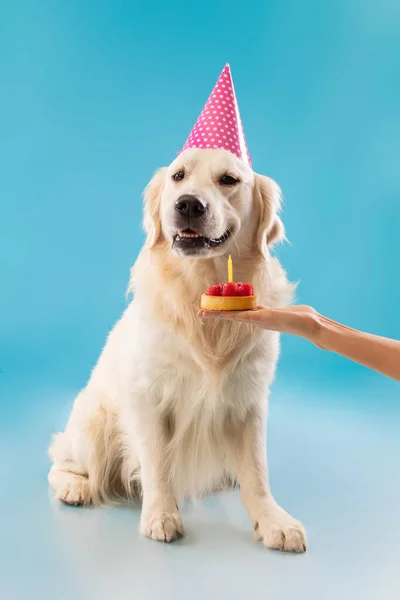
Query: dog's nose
x,y
190,206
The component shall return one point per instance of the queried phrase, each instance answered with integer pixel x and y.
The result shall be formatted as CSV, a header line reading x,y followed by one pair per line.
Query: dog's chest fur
x,y
202,403
200,377
205,355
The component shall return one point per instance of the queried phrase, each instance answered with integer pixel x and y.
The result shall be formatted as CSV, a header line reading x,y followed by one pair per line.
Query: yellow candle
x,y
230,269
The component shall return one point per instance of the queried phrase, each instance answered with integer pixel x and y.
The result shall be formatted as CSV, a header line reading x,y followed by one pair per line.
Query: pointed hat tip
x,y
219,124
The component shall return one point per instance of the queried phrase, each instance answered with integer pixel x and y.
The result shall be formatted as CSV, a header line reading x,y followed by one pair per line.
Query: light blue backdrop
x,y
96,95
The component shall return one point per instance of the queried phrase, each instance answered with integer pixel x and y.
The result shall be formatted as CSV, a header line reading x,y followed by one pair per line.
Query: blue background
x,y
95,96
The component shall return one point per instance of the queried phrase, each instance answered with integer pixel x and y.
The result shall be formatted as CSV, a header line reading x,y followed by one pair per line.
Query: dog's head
x,y
208,201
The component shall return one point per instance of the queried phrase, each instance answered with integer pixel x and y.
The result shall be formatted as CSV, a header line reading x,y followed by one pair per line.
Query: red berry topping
x,y
229,289
245,289
214,290
239,289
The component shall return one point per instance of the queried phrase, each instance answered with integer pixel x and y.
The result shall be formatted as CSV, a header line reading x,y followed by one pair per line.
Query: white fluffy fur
x,y
176,406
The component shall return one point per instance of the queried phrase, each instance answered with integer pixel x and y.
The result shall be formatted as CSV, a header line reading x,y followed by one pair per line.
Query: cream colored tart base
x,y
228,302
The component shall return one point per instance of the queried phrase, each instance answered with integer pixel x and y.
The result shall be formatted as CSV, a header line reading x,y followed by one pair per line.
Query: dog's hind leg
x,y
86,456
70,488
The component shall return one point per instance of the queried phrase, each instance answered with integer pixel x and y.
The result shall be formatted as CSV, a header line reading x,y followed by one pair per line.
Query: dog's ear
x,y
152,202
267,196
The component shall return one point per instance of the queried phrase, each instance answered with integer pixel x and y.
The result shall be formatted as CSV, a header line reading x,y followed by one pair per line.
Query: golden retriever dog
x,y
176,406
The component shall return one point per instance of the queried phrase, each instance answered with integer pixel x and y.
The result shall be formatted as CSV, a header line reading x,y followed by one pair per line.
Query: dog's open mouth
x,y
187,239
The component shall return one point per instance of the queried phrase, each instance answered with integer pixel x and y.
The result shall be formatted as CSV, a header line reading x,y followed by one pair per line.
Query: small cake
x,y
229,296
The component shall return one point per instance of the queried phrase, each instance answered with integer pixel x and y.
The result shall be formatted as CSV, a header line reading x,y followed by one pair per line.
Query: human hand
x,y
373,351
296,320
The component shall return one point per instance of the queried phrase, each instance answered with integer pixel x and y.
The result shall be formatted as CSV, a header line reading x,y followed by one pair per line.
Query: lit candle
x,y
230,269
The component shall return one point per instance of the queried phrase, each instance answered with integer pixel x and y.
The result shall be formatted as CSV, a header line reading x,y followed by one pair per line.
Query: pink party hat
x,y
219,124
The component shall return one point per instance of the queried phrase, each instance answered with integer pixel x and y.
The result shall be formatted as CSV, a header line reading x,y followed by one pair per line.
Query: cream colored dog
x,y
177,406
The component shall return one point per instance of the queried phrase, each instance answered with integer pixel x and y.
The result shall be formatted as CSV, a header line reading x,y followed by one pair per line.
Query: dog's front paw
x,y
163,526
278,530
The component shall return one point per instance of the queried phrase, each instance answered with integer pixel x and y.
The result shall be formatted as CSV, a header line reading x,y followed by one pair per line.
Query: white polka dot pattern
x,y
219,124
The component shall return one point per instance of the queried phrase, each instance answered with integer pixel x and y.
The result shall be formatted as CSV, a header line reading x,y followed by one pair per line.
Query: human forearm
x,y
375,352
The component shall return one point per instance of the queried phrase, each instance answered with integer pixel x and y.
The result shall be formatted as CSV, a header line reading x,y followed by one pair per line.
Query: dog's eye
x,y
179,175
228,180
